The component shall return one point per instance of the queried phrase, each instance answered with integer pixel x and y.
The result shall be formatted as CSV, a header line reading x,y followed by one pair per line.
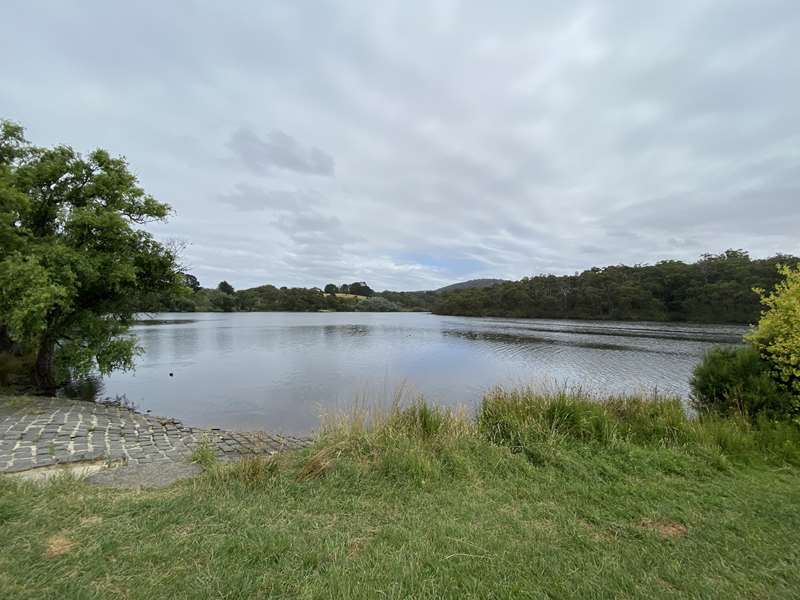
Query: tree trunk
x,y
6,345
44,369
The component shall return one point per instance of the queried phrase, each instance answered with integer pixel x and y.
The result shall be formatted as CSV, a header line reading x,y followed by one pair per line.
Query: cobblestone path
x,y
38,432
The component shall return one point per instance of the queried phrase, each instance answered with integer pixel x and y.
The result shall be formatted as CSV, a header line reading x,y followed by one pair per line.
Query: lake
x,y
280,371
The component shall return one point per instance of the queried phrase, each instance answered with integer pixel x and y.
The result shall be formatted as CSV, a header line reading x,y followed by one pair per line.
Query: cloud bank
x,y
415,144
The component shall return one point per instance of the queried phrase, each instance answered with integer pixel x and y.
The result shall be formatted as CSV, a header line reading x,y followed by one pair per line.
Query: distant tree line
x,y
357,296
716,288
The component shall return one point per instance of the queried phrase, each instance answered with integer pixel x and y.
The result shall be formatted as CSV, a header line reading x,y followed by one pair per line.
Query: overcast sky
x,y
415,144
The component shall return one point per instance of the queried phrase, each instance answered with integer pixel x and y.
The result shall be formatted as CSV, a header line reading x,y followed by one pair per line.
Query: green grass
x,y
204,454
537,496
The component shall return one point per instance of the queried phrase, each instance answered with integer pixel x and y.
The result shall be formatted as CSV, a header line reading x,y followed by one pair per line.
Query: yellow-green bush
x,y
777,336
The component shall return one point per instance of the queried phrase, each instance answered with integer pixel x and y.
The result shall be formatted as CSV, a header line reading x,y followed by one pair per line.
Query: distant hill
x,y
472,283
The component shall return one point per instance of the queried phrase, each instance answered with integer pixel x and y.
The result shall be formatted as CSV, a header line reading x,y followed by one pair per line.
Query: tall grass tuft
x,y
650,419
505,415
204,454
249,471
408,437
539,423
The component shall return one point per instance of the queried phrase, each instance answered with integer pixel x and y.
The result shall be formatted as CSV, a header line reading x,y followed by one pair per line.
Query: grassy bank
x,y
535,496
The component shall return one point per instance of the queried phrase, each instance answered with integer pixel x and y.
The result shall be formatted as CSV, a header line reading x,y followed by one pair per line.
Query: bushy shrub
x,y
377,304
730,381
777,336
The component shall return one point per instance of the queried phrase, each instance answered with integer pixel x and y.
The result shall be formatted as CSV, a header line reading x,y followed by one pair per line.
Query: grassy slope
x,y
426,515
472,283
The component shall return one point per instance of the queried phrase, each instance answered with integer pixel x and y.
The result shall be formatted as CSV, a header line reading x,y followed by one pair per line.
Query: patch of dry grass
x,y
58,545
666,529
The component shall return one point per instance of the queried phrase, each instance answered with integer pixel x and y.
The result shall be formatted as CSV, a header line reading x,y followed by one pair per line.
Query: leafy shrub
x,y
732,381
377,304
777,336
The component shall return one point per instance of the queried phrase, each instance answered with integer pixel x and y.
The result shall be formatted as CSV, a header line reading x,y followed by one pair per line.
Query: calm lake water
x,y
280,371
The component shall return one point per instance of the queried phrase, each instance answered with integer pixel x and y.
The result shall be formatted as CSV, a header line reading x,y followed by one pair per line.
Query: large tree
x,y
74,259
360,288
225,287
191,282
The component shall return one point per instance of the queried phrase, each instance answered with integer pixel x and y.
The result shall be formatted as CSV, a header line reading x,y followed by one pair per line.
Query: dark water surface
x,y
280,371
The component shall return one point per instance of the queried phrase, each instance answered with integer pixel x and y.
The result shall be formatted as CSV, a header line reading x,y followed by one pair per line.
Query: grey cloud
x,y
278,150
310,228
517,137
247,197
742,213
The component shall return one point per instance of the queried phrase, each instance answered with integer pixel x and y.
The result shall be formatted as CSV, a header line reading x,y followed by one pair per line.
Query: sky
x,y
416,144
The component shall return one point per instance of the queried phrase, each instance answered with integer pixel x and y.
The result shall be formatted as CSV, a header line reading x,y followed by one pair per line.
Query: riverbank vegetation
x,y
268,298
715,289
534,495
762,377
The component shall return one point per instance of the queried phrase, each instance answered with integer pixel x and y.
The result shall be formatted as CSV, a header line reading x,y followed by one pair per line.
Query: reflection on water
x,y
280,371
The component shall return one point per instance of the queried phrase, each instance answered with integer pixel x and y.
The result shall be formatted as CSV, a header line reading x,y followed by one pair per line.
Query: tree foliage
x,y
75,262
225,287
717,288
360,288
271,298
191,282
777,335
268,298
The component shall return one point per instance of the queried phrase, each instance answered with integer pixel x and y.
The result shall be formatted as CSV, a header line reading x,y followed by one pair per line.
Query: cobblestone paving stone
x,y
40,432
